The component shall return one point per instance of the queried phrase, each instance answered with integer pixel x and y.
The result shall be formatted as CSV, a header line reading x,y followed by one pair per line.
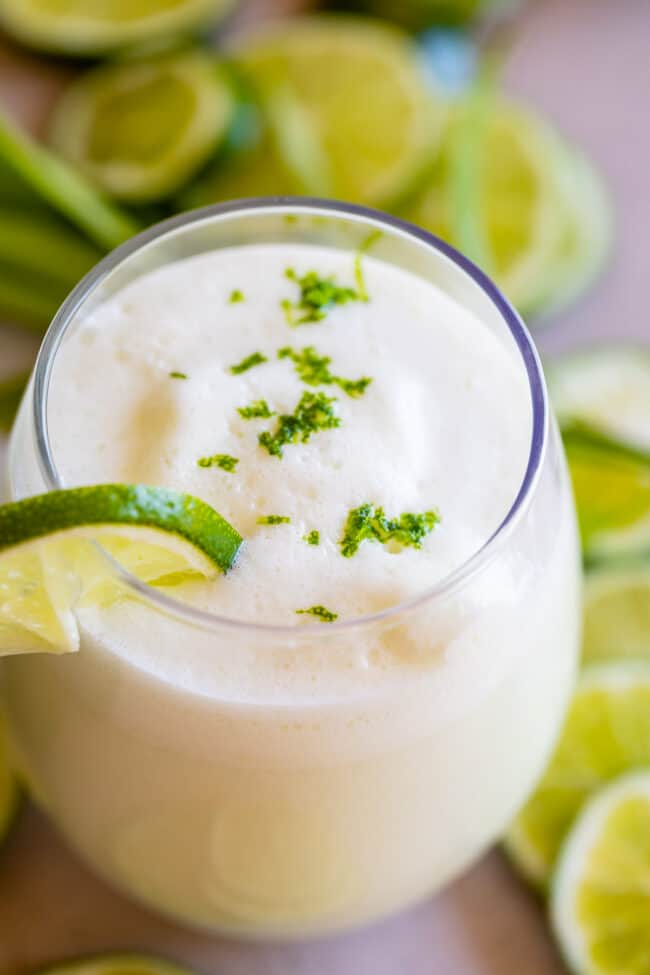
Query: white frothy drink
x,y
299,780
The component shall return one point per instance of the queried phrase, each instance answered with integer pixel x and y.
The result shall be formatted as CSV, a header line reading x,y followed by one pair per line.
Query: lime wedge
x,y
8,787
367,122
606,386
140,129
41,178
611,483
606,733
116,965
11,393
600,907
48,564
617,613
91,27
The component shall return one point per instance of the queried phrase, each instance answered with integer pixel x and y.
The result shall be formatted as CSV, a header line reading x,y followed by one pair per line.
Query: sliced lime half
x,y
617,613
140,129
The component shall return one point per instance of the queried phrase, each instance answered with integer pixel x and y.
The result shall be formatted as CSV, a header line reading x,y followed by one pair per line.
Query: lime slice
x,y
617,613
91,27
611,483
600,908
37,176
140,129
8,787
117,965
367,122
49,566
606,733
606,386
494,193
586,238
11,393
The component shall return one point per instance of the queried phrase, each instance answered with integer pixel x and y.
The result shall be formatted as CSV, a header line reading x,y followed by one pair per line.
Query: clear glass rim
x,y
311,206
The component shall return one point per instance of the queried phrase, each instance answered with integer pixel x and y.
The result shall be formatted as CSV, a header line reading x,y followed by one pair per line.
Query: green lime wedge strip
x,y
606,386
11,393
617,613
53,182
141,128
123,504
611,483
600,903
84,28
117,965
9,791
606,733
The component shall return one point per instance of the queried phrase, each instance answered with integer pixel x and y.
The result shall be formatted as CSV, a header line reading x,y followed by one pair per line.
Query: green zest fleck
x,y
258,409
317,297
323,614
177,375
313,369
406,530
274,520
255,359
236,296
312,537
224,461
314,412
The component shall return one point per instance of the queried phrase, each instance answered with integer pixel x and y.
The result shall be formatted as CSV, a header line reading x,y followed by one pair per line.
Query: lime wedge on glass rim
x,y
93,27
48,564
141,128
116,965
606,733
600,904
367,118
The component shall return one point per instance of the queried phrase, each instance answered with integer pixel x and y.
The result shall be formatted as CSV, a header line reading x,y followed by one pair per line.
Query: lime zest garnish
x,y
313,369
177,375
320,612
223,461
258,409
124,504
364,524
236,296
274,520
255,359
313,412
318,296
312,537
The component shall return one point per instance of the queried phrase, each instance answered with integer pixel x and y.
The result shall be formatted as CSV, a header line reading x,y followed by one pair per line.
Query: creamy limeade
x,y
290,784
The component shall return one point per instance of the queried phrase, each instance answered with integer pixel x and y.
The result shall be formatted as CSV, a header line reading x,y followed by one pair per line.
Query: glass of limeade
x,y
351,716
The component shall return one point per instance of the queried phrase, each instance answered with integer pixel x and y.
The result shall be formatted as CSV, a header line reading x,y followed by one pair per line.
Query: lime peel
x,y
125,504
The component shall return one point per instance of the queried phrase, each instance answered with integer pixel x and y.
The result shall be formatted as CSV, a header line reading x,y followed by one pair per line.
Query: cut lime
x,y
586,237
419,14
117,965
140,129
606,386
90,27
600,907
11,393
8,787
494,193
606,733
611,483
48,564
617,613
367,122
39,177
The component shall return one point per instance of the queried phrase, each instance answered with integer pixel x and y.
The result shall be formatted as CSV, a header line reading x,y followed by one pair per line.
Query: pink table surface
x,y
586,63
